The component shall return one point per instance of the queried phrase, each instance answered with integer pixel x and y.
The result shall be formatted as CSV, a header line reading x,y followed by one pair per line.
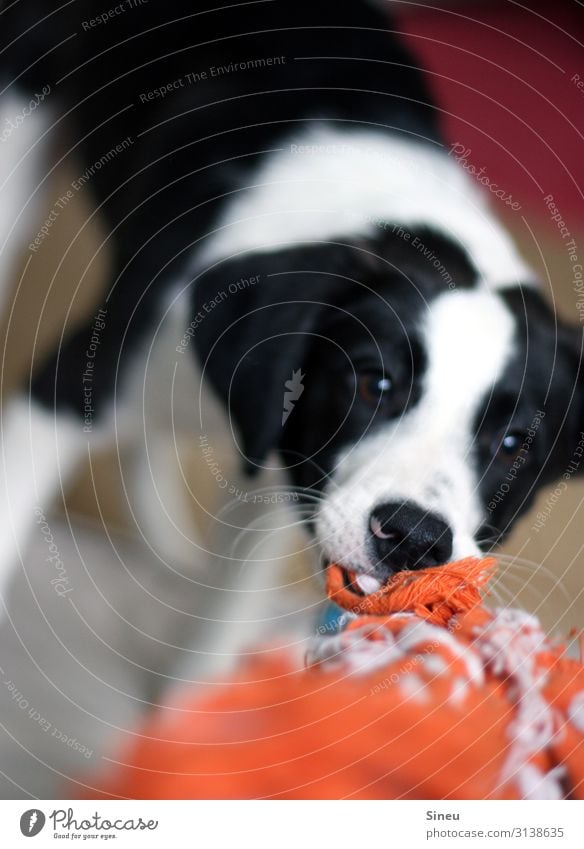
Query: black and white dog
x,y
288,231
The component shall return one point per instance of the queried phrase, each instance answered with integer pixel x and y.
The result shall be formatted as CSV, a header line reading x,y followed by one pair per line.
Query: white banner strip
x,y
294,824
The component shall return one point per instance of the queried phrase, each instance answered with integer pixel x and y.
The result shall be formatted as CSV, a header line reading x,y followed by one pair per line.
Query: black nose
x,y
404,536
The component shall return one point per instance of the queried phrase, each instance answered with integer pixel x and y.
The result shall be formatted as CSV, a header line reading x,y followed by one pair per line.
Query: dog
x,y
297,263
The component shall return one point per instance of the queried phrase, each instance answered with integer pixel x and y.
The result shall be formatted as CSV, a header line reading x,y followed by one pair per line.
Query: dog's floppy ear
x,y
256,322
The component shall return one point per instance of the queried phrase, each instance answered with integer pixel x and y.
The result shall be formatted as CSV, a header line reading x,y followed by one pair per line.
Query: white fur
x,y
425,456
22,167
345,182
40,451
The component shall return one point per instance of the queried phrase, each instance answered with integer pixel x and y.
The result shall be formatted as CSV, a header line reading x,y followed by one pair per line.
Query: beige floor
x,y
61,284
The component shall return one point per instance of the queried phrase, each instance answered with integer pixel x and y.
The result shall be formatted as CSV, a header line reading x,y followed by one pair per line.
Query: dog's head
x,y
422,409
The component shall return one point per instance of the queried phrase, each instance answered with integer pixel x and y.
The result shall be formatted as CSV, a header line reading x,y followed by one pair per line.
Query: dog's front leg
x,y
40,452
247,595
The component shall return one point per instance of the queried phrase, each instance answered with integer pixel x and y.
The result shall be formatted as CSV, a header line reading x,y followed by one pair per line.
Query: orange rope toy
x,y
425,694
432,594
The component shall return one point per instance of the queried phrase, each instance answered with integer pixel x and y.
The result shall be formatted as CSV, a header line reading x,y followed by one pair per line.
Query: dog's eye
x,y
508,445
374,387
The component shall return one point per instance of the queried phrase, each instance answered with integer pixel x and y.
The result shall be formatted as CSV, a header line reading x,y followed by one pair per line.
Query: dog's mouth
x,y
359,583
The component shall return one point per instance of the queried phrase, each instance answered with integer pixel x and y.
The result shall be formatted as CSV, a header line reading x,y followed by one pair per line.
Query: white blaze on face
x,y
426,456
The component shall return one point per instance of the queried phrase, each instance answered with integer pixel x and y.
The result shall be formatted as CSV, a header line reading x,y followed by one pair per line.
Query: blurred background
x,y
510,80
